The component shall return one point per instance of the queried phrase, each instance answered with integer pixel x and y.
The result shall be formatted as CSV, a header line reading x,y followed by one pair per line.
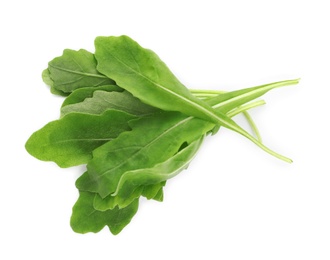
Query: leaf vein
x,y
79,72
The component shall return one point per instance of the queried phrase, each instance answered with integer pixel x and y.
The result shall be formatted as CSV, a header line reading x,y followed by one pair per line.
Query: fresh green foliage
x,y
81,94
141,72
47,79
73,70
86,219
131,183
152,139
135,126
70,140
101,101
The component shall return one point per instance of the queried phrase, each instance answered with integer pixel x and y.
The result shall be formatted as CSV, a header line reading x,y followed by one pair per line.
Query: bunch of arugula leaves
x,y
134,125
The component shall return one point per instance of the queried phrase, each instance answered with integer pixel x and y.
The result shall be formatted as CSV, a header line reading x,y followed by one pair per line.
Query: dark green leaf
x,y
103,100
75,69
148,144
70,140
79,95
152,140
86,219
150,191
141,72
48,81
136,182
154,191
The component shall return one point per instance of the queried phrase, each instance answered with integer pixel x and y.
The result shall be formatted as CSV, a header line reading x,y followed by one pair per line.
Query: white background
x,y
234,201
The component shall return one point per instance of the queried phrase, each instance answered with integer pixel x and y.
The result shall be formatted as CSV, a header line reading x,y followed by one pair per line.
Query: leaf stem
x,y
254,92
243,109
261,89
205,94
253,125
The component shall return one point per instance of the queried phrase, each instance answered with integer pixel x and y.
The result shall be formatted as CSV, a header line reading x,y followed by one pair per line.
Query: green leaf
x,y
141,72
159,196
132,183
48,81
46,77
79,95
135,183
124,165
70,140
75,69
85,218
152,191
147,144
152,140
103,100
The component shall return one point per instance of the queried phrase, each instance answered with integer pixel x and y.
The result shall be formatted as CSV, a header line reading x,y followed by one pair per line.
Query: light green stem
x,y
242,109
252,125
205,94
254,92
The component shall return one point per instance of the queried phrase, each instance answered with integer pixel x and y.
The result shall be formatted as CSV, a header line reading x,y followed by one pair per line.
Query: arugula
x,y
86,219
166,133
101,101
81,94
134,124
112,160
132,183
141,72
70,140
73,70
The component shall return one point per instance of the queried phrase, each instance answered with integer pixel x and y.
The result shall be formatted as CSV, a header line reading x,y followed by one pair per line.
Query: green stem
x,y
252,125
205,94
221,101
243,109
255,91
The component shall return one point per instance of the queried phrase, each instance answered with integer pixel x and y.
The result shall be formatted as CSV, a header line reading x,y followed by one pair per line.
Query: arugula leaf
x,y
135,125
46,77
141,72
152,140
70,140
159,196
154,191
132,183
87,92
73,70
151,191
85,218
48,81
147,144
79,95
103,100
